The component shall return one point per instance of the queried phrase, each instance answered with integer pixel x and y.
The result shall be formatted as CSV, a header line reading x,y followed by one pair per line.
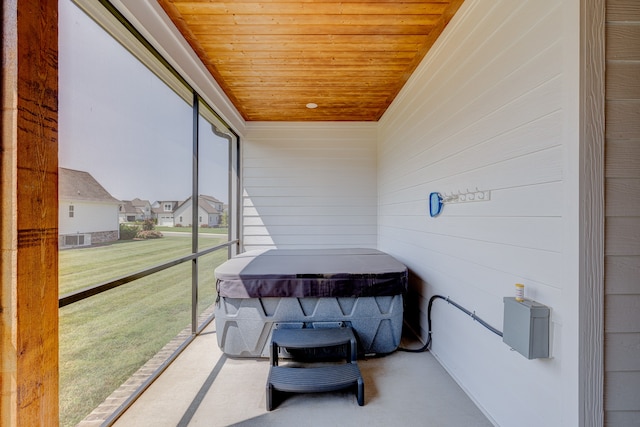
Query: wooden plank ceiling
x,y
273,57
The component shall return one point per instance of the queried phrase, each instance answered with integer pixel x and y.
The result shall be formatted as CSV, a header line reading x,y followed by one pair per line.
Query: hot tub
x,y
309,288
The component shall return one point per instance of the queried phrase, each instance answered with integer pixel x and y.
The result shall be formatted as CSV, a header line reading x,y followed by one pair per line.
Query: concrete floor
x,y
203,387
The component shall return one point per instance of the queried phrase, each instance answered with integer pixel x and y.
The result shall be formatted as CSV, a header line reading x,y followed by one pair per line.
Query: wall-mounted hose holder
x,y
437,200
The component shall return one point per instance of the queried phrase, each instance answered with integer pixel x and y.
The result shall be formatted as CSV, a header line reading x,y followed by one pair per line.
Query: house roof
x,y
140,203
351,58
127,207
208,208
79,186
207,203
210,199
158,206
135,206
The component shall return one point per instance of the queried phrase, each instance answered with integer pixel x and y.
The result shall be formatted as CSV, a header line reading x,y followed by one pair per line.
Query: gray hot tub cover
x,y
301,273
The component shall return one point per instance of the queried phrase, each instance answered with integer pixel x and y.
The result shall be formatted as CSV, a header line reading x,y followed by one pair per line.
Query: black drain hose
x,y
427,345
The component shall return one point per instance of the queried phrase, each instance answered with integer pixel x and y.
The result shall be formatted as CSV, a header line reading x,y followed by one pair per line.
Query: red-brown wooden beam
x,y
29,229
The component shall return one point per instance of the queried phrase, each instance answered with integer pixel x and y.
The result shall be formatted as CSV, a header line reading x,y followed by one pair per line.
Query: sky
x,y
123,125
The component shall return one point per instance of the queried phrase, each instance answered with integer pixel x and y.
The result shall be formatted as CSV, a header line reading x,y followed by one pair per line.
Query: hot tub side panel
x,y
244,325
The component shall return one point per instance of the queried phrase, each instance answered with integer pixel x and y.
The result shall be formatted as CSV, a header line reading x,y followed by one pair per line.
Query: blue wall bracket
x,y
435,204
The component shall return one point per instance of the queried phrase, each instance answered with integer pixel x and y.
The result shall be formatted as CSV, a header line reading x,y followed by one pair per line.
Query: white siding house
x,y
88,214
162,212
209,212
127,212
134,210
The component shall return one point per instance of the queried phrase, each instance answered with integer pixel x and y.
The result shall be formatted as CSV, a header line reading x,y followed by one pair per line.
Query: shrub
x,y
148,225
128,232
148,234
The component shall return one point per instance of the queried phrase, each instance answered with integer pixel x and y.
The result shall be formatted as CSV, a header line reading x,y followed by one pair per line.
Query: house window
x,y
167,207
180,220
74,240
71,211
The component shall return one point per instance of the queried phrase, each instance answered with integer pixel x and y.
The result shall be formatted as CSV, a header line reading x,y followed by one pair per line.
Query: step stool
x,y
317,378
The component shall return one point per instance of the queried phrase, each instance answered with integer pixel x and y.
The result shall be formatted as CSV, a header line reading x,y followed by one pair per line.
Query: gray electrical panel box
x,y
526,327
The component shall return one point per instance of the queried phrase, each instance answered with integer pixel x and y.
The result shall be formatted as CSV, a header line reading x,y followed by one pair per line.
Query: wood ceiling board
x,y
273,57
319,8
310,29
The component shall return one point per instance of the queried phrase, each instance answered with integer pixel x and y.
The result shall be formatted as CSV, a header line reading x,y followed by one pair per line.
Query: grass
x,y
106,338
201,230
83,267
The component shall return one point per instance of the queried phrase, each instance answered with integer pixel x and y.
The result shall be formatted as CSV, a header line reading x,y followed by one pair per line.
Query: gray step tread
x,y
312,338
314,379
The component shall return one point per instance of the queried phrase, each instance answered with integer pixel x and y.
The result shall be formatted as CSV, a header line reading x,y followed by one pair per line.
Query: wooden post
x,y
29,228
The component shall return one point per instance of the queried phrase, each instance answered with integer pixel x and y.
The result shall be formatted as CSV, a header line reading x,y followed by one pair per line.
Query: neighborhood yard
x,y
201,230
106,338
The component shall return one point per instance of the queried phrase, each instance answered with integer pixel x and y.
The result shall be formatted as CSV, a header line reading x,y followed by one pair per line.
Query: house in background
x,y
162,212
210,212
134,210
127,212
88,214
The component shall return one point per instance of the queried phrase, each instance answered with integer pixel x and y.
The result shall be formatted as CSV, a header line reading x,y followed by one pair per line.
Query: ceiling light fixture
x,y
312,105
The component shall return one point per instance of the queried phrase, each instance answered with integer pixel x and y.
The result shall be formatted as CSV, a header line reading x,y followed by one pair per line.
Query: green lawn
x,y
107,337
201,230
82,267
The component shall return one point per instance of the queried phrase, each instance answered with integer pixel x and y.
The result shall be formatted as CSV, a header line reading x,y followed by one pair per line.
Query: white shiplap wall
x,y
491,108
309,186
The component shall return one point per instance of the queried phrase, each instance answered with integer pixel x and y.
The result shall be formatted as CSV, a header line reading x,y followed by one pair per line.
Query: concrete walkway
x,y
203,387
